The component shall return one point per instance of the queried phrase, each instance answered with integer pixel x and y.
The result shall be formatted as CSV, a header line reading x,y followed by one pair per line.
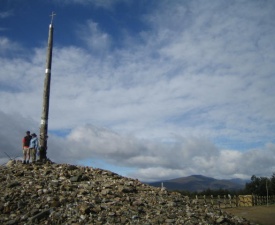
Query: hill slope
x,y
67,194
198,183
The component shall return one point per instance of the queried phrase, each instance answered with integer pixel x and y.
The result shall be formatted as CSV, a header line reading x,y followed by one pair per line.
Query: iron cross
x,y
52,15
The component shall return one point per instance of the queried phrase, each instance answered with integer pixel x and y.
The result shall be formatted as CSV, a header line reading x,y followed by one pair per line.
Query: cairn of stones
x,y
52,193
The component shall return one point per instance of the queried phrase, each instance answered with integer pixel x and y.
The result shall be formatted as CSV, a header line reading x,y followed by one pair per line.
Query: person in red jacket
x,y
26,150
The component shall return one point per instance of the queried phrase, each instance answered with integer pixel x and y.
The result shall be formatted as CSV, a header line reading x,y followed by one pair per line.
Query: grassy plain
x,y
263,215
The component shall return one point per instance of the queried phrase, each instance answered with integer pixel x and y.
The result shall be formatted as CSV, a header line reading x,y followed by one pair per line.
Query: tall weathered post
x,y
46,96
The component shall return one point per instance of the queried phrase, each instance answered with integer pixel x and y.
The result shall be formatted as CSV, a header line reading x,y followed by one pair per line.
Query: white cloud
x,y
94,38
106,4
5,14
7,45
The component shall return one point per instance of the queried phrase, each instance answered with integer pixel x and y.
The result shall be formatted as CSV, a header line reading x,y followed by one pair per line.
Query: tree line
x,y
260,186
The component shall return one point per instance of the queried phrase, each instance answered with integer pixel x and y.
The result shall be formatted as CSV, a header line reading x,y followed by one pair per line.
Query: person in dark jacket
x,y
25,146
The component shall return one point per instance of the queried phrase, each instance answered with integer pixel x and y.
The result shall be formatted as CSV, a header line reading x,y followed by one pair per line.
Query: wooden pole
x,y
46,96
266,192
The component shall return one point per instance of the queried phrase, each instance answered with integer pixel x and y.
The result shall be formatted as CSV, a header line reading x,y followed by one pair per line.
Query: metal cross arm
x,y
52,15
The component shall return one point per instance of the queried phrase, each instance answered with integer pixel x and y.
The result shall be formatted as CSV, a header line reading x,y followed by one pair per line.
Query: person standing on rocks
x,y
26,150
33,147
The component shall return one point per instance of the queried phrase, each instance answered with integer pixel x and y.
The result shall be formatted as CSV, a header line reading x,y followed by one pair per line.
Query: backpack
x,y
27,141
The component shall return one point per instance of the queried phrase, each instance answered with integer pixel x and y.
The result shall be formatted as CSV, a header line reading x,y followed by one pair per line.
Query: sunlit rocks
x,y
68,194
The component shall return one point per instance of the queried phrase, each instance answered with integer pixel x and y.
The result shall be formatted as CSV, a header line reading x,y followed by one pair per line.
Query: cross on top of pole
x,y
52,15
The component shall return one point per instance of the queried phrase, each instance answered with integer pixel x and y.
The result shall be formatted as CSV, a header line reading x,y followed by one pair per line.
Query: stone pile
x,y
67,194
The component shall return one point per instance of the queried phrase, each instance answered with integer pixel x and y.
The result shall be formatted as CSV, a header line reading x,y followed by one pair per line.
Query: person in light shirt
x,y
33,147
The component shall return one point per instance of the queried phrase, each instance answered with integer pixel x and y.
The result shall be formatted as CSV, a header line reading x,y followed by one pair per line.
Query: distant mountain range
x,y
200,183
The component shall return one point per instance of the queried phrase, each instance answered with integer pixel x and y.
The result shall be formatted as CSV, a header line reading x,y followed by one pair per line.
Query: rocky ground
x,y
67,194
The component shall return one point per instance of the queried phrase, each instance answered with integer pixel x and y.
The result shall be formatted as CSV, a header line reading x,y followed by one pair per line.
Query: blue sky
x,y
151,90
